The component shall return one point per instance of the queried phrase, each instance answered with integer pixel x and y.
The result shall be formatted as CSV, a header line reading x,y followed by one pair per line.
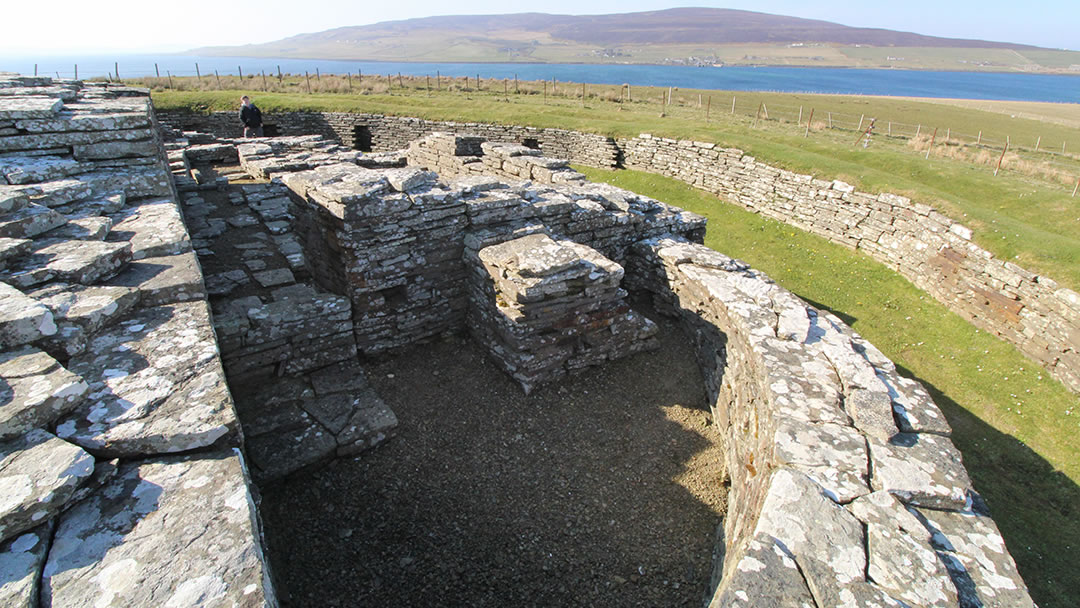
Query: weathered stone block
x,y
39,474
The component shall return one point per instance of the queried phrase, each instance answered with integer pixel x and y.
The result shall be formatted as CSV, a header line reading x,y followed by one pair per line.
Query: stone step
x,y
85,262
154,228
35,390
22,319
30,221
39,474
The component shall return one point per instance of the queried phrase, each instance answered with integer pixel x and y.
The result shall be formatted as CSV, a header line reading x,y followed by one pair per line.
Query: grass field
x,y
1014,425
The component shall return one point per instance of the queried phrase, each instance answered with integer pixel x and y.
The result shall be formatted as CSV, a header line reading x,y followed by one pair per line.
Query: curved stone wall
x,y
845,487
935,253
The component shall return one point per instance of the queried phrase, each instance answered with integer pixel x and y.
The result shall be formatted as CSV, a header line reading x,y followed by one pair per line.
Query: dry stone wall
x,y
119,442
380,133
932,251
845,487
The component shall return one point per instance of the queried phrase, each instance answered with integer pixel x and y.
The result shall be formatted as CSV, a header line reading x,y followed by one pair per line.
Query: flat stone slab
x,y
344,377
12,248
764,576
82,229
35,169
974,551
285,441
90,307
85,262
12,199
274,278
20,108
371,423
154,229
29,222
833,455
156,386
22,319
164,280
797,512
21,561
35,390
920,469
39,473
901,558
169,532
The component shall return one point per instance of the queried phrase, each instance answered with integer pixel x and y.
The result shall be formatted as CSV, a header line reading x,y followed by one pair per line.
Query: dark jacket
x,y
251,116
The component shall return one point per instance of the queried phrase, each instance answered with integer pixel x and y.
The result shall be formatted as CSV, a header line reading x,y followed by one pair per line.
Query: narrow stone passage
x,y
602,490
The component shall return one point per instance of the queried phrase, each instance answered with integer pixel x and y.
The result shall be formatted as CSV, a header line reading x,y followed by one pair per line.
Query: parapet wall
x,y
845,487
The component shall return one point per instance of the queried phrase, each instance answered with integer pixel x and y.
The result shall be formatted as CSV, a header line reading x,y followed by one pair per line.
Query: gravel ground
x,y
602,490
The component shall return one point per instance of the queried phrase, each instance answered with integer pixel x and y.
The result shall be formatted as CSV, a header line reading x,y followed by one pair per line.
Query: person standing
x,y
251,116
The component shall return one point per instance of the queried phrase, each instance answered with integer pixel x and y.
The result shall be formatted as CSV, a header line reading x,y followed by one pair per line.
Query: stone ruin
x,y
182,314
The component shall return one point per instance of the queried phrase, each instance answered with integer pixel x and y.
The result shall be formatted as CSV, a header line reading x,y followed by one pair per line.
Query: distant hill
x,y
683,35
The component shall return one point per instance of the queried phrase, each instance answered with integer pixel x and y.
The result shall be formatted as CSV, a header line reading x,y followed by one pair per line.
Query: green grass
x,y
1031,221
1009,418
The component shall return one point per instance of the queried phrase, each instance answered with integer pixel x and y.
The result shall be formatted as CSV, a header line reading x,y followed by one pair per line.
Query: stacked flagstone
x,y
462,155
397,241
109,370
544,308
845,486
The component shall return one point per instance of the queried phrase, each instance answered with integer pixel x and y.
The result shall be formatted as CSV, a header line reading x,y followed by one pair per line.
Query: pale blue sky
x,y
85,26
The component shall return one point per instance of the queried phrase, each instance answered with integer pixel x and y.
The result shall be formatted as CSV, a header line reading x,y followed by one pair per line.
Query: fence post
x,y
35,69
1076,187
400,82
708,107
799,122
348,76
629,95
918,130
169,74
583,94
1002,157
808,121
360,76
240,72
732,104
516,89
218,79
156,71
554,86
477,82
116,70
307,79
860,122
438,80
830,120
318,76
978,142
932,138
890,128
1037,142
699,100
264,81
389,83
77,70
197,74
279,74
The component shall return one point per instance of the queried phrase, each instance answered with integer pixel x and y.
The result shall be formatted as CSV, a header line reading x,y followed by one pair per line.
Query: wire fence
x,y
1047,158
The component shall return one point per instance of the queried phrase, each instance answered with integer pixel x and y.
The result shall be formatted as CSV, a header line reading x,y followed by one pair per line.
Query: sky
x,y
107,26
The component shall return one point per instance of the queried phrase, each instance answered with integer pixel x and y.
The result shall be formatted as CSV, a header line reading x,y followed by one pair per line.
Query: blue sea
x,y
903,83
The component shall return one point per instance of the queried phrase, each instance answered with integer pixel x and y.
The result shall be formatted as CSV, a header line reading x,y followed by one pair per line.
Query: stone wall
x,y
463,155
1028,310
379,133
935,253
119,442
845,487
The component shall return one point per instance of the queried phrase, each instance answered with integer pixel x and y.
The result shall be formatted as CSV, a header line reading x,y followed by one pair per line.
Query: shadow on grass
x,y
845,317
1034,505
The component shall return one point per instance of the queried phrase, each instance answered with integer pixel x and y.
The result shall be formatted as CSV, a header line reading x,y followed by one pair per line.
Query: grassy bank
x,y
1018,217
1014,425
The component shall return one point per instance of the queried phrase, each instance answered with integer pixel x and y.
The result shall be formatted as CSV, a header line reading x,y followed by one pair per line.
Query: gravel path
x,y
604,490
